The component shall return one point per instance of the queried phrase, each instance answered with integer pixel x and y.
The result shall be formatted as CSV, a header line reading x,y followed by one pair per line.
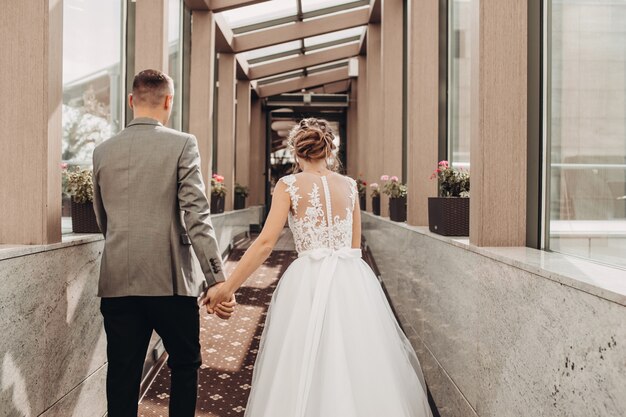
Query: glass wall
x,y
587,128
175,59
459,60
93,100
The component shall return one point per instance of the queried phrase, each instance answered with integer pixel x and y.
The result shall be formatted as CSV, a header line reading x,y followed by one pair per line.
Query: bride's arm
x,y
260,249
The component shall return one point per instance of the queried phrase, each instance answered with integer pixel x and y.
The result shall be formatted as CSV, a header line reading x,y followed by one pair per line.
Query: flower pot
x,y
397,209
84,218
240,201
217,203
362,202
376,205
449,216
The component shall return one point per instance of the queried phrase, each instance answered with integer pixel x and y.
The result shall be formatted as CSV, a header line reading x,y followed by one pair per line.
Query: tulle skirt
x,y
331,346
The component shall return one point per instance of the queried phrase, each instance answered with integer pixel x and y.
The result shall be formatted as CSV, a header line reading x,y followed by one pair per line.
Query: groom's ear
x,y
130,101
169,99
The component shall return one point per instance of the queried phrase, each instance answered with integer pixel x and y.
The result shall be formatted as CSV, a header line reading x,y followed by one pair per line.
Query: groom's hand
x,y
220,300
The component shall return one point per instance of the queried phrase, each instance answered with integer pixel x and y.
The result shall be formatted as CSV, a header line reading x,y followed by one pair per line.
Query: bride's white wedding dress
x,y
331,346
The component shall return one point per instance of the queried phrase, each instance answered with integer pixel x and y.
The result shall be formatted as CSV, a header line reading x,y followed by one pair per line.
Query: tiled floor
x,y
229,347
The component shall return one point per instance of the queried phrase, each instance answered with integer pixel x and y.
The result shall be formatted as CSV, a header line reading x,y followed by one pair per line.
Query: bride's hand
x,y
220,300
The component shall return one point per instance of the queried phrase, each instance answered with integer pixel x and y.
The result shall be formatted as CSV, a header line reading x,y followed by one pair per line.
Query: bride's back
x,y
321,212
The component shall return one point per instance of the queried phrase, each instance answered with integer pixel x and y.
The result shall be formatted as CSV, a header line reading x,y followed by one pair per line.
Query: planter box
x,y
84,218
449,216
217,203
397,209
363,202
240,201
376,205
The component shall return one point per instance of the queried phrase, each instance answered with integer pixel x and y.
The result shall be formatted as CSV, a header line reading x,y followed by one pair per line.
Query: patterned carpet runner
x,y
229,348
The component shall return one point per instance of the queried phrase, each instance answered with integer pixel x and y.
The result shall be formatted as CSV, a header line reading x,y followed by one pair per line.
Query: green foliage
x,y
452,182
361,186
241,189
80,185
393,187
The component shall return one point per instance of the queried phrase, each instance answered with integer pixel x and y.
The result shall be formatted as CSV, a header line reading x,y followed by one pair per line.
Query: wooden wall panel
x,y
226,124
498,123
242,134
151,37
374,148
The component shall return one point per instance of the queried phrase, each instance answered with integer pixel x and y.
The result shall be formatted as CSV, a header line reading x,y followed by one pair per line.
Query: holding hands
x,y
220,299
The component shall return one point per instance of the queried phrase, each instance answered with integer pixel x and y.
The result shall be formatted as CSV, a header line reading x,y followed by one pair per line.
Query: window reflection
x,y
588,129
92,80
459,60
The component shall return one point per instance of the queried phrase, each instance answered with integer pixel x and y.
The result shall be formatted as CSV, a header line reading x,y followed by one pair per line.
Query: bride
x,y
331,346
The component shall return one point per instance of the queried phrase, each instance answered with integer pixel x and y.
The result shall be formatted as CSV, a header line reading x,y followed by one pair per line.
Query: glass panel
x,y
459,60
262,12
310,5
333,36
588,129
271,50
93,100
175,60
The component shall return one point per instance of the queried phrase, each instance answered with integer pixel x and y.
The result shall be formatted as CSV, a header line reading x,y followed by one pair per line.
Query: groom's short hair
x,y
151,86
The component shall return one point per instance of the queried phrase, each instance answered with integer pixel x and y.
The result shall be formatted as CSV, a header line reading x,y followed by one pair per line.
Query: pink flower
x,y
444,164
394,179
64,165
218,177
384,178
374,185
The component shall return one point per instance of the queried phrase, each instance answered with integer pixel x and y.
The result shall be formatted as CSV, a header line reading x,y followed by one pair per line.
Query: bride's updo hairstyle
x,y
312,140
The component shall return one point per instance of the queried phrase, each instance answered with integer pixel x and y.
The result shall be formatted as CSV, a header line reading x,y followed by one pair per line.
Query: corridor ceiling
x,y
291,45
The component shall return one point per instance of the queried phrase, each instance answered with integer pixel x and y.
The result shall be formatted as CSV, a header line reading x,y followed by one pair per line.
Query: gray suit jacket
x,y
145,178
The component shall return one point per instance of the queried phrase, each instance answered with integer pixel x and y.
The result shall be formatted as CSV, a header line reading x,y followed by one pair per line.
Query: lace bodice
x,y
321,210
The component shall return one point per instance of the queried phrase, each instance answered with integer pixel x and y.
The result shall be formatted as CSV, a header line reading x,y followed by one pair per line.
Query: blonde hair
x,y
312,140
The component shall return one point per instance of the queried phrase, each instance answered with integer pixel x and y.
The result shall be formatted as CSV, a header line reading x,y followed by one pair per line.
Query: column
x,y
31,56
201,87
226,124
242,134
499,123
392,63
362,120
257,153
423,107
151,38
353,132
374,152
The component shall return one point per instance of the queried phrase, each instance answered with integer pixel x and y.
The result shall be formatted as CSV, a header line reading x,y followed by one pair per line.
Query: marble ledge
x,y
591,277
74,239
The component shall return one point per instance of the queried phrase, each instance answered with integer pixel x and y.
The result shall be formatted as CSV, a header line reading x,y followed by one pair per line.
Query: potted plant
x,y
361,187
241,192
80,187
218,194
375,198
397,197
448,214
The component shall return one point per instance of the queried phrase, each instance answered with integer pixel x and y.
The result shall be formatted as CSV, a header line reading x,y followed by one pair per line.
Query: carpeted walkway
x,y
229,348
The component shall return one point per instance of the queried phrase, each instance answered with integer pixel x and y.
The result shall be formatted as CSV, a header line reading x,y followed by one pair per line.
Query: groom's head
x,y
152,96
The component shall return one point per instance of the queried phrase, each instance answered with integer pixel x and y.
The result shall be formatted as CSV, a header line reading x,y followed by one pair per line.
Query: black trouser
x,y
128,322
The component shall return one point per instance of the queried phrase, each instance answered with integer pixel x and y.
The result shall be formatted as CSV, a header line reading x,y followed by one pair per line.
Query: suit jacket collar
x,y
144,121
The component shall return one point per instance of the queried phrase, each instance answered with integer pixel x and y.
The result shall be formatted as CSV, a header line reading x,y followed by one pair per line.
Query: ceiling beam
x,y
219,5
332,88
300,30
303,61
299,83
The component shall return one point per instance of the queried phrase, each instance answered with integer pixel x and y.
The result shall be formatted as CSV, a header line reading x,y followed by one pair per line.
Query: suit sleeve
x,y
196,207
98,205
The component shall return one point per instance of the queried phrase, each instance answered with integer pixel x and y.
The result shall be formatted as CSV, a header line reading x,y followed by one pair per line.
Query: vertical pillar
x,y
242,134
423,103
201,87
392,63
353,131
226,124
362,116
151,38
30,175
257,153
498,123
374,146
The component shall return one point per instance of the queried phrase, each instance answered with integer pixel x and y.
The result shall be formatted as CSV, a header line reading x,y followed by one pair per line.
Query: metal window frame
x,y
443,79
306,49
546,170
295,18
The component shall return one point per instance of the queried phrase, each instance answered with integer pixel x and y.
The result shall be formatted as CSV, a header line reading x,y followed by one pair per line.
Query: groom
x,y
146,179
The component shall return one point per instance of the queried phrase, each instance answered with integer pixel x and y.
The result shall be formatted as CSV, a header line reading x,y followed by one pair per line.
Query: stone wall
x,y
501,336
53,346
